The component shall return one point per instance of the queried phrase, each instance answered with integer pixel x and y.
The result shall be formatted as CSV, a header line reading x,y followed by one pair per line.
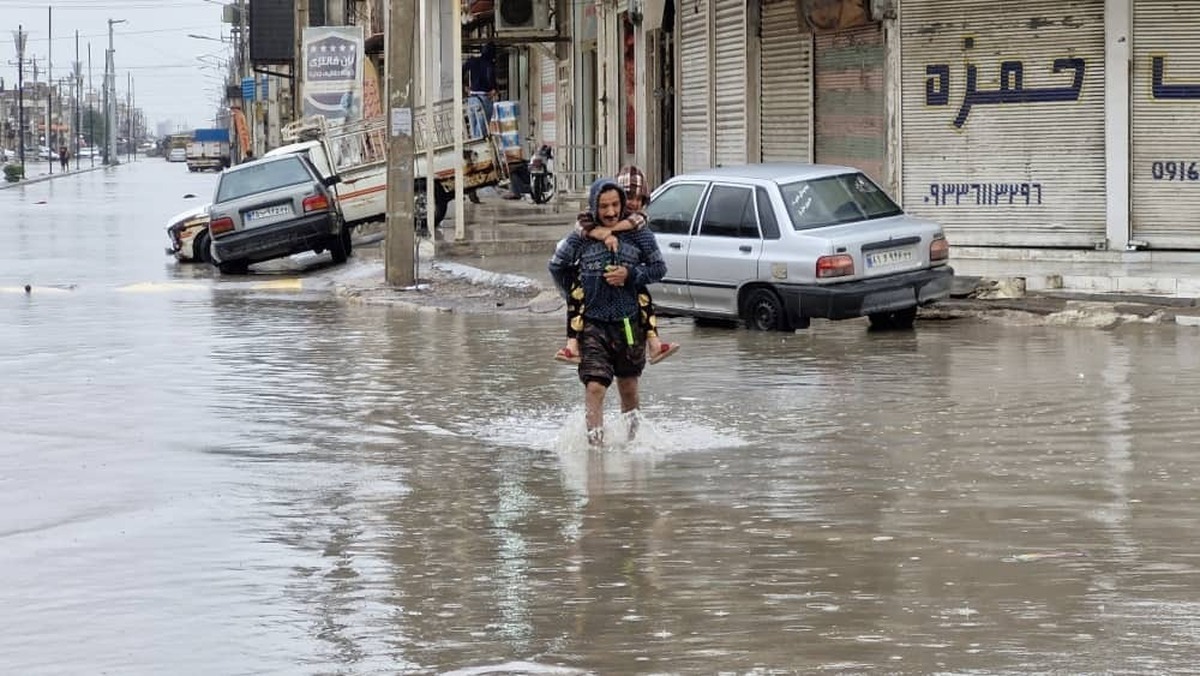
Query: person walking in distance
x,y
637,195
63,157
612,341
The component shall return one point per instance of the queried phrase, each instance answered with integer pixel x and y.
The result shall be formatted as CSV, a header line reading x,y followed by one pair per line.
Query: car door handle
x,y
675,245
745,248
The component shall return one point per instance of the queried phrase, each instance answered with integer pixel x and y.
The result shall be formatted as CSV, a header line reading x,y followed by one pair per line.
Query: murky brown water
x,y
222,478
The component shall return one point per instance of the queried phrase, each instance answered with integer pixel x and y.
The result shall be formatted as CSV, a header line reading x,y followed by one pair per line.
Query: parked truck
x,y
208,149
357,154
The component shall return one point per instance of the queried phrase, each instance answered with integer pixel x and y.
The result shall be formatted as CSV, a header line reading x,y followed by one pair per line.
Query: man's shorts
x,y
605,352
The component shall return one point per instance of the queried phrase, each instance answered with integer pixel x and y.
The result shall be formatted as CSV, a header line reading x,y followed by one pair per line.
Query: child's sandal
x,y
566,355
665,350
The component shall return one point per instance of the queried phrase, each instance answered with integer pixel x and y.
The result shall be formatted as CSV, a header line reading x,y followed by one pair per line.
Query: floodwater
x,y
205,476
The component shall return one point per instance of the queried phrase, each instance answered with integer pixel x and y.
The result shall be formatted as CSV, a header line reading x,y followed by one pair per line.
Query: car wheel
x,y
233,267
763,311
340,245
896,319
200,248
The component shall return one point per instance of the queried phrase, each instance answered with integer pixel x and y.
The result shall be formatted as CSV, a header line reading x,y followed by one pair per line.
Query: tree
x,y
93,128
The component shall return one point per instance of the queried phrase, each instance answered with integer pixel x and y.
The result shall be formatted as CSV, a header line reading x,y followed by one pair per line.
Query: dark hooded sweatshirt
x,y
580,257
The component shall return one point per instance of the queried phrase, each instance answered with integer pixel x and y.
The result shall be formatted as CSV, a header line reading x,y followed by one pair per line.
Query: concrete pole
x,y
111,94
430,12
298,61
21,94
460,211
91,111
399,256
77,94
50,89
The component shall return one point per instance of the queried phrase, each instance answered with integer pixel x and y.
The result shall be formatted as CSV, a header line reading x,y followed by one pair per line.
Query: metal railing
x,y
576,167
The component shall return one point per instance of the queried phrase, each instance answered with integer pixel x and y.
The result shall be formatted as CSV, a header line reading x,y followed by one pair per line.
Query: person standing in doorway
x,y
612,340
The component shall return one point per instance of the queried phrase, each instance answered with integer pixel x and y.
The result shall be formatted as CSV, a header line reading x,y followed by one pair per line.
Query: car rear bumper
x,y
276,240
862,298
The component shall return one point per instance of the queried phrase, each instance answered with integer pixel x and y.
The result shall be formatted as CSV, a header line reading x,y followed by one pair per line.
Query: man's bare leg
x,y
628,389
593,406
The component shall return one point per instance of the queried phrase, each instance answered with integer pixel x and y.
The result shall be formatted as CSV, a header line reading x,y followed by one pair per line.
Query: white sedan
x,y
774,245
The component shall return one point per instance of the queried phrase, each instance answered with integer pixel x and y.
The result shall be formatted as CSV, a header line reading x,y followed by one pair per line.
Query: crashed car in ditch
x,y
188,234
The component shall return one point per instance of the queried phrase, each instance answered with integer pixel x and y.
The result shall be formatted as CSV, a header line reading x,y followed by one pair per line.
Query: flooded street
x,y
206,476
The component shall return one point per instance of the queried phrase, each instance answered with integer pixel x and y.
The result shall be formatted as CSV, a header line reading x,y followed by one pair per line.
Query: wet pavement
x,y
204,475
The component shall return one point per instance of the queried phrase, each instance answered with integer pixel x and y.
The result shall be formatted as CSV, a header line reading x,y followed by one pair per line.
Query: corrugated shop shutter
x,y
1020,161
785,76
1166,138
548,80
849,99
695,130
729,74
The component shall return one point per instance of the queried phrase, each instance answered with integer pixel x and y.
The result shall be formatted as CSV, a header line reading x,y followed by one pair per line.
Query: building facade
x,y
1049,124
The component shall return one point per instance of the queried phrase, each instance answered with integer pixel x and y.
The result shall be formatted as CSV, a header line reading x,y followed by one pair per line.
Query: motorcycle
x,y
541,184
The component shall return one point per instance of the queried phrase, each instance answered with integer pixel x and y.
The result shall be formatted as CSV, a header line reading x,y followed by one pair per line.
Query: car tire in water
x,y
340,245
763,311
894,320
200,248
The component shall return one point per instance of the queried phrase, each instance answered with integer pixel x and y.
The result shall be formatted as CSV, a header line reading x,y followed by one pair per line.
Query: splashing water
x,y
563,430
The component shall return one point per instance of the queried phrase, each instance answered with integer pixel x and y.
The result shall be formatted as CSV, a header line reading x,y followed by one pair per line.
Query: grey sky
x,y
170,79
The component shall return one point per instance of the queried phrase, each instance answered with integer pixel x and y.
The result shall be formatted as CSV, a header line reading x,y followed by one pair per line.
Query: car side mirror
x,y
330,181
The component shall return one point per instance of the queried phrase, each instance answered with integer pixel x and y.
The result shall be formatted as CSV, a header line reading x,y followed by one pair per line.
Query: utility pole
x,y
298,60
399,258
460,217
49,87
20,37
91,111
110,95
77,92
129,116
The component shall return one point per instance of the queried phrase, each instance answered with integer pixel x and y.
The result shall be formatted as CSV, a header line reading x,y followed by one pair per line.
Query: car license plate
x,y
269,212
890,257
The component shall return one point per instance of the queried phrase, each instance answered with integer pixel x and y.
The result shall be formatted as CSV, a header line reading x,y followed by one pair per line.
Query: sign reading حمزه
x,y
1011,89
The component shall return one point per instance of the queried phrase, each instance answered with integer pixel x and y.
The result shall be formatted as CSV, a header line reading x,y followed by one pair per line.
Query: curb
x,y
47,177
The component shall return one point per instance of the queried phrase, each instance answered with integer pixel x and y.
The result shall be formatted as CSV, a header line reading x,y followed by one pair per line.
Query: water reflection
x,y
240,479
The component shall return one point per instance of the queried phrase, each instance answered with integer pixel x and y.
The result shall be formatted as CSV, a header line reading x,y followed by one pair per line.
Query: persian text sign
x,y
333,72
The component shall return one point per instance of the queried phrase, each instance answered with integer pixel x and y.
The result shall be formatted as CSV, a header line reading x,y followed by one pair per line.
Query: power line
x,y
29,39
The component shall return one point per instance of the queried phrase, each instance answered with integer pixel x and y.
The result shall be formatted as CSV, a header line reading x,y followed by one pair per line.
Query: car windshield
x,y
832,200
256,178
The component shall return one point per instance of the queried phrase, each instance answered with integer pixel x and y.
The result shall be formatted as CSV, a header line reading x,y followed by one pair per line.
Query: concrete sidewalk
x,y
46,176
515,236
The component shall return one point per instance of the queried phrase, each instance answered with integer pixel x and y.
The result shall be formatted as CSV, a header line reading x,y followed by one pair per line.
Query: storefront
x,y
849,99
1165,169
785,80
1002,120
713,91
547,97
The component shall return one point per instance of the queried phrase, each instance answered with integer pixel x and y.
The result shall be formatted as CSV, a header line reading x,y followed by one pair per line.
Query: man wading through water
x,y
612,342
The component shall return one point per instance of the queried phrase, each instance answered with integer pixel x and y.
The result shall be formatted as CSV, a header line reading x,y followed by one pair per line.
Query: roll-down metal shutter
x,y
785,76
1166,139
548,81
729,75
1019,159
849,99
695,129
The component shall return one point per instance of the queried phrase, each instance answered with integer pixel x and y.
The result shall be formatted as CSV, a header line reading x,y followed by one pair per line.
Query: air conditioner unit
x,y
523,17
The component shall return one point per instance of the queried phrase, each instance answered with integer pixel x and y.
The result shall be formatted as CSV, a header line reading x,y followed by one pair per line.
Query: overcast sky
x,y
169,80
